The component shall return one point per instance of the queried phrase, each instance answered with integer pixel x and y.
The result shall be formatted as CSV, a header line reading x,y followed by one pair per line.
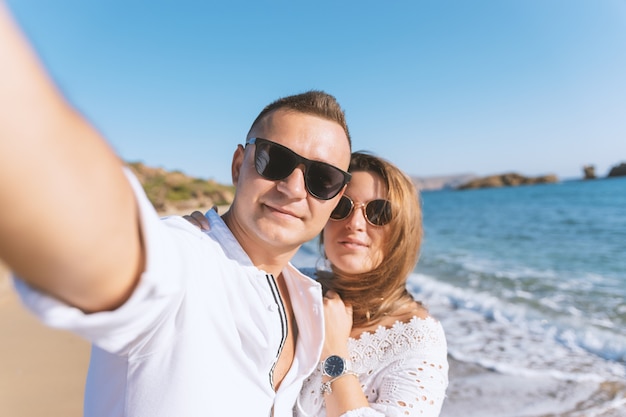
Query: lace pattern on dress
x,y
403,371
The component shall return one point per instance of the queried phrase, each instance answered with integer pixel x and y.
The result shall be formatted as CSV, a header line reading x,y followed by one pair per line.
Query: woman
x,y
397,352
383,354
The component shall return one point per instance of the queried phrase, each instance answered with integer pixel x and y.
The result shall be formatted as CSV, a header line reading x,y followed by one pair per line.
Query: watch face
x,y
334,366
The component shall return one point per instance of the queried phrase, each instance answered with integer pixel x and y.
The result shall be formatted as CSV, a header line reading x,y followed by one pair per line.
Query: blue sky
x,y
438,87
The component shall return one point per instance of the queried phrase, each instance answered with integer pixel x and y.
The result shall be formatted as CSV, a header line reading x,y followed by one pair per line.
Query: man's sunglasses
x,y
276,162
377,212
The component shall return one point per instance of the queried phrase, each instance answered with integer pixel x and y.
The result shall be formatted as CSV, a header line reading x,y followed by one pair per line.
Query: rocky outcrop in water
x,y
618,170
511,179
589,172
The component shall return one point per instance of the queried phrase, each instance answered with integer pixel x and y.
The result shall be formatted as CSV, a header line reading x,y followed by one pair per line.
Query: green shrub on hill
x,y
171,191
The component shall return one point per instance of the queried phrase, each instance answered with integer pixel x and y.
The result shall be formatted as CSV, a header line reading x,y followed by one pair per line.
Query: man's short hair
x,y
314,102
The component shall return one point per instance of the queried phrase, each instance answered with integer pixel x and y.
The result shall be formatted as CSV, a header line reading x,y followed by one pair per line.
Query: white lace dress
x,y
403,371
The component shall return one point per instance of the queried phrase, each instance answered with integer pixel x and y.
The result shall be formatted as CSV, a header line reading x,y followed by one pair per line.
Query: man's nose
x,y
294,185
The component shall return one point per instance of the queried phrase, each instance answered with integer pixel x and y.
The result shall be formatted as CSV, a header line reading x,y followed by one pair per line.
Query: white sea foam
x,y
510,337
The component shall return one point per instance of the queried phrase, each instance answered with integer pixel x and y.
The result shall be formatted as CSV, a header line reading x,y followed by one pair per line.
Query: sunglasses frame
x,y
300,160
363,207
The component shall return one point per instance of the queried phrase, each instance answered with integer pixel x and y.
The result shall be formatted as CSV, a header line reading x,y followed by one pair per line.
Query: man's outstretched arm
x,y
68,223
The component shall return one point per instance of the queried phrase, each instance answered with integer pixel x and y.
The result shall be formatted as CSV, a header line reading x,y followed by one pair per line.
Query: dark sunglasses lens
x,y
343,209
324,181
273,162
276,162
378,212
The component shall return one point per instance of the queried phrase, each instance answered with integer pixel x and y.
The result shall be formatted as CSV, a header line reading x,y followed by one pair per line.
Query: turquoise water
x,y
549,257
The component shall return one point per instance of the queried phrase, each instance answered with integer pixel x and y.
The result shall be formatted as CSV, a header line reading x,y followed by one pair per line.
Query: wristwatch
x,y
334,365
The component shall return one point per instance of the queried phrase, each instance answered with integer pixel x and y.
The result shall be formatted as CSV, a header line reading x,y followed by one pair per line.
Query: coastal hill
x,y
173,192
441,182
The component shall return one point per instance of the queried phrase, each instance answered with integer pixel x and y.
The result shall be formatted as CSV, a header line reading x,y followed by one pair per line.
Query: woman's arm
x,y
346,393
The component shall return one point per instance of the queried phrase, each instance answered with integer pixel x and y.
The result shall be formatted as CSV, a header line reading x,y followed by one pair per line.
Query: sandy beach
x,y
42,371
475,391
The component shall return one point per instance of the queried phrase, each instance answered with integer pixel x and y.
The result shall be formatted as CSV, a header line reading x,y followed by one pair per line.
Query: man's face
x,y
276,217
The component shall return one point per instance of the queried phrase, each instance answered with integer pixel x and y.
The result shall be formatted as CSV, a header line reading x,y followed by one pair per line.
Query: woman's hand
x,y
338,324
198,219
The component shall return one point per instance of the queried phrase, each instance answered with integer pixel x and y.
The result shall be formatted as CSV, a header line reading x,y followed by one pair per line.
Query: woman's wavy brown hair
x,y
380,292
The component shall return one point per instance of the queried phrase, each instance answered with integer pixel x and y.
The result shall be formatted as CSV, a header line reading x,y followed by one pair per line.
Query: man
x,y
182,322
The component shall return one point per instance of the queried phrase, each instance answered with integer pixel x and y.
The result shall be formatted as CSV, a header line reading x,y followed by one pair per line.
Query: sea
x,y
529,284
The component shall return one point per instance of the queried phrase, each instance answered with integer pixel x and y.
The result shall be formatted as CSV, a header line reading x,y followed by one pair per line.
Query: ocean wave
x,y
506,335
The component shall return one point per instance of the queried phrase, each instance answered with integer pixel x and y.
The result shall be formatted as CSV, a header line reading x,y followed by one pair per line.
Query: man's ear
x,y
237,163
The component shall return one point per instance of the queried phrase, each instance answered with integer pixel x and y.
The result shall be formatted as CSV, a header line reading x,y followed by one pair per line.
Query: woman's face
x,y
352,244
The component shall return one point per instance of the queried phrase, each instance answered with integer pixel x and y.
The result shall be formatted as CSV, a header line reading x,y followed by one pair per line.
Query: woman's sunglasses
x,y
276,162
377,212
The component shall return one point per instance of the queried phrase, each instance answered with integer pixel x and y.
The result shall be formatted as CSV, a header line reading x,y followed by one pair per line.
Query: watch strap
x,y
327,388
